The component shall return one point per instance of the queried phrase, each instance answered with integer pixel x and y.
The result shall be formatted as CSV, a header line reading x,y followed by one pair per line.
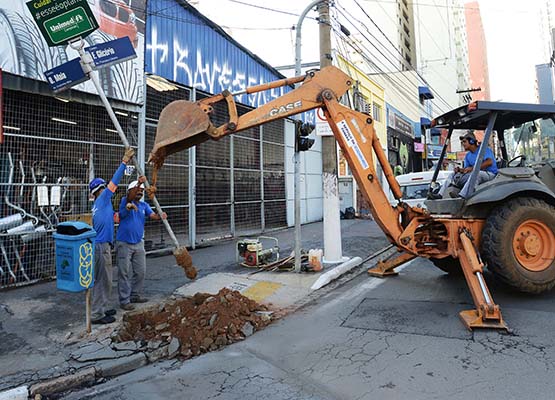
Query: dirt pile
x,y
195,325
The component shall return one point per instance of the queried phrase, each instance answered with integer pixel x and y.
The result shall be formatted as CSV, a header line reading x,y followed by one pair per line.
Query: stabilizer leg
x,y
386,268
487,314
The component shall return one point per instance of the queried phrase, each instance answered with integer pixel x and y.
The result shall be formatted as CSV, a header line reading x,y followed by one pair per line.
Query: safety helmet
x,y
133,185
96,184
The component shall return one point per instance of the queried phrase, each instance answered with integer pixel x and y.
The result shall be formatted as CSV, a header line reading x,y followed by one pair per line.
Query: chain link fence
x,y
53,147
51,150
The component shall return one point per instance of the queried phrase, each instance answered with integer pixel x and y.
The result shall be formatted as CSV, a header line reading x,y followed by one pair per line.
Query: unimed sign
x,y
62,20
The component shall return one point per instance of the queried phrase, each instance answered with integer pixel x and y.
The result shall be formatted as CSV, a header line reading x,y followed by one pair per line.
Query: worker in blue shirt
x,y
103,224
130,249
488,168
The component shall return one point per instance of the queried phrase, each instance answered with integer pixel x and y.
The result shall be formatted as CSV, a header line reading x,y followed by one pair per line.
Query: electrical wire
x,y
395,47
393,63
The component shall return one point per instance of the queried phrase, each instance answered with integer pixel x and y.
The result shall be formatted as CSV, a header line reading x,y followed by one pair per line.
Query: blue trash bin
x,y
74,256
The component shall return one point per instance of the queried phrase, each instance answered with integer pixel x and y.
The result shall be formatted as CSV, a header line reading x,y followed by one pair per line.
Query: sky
x,y
513,43
511,29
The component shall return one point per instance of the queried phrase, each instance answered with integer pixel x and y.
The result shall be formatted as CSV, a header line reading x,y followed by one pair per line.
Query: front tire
x,y
518,244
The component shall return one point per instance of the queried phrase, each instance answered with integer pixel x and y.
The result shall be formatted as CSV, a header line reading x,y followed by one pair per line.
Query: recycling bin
x,y
74,244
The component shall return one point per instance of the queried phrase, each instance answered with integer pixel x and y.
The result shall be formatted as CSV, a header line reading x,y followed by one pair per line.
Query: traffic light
x,y
303,130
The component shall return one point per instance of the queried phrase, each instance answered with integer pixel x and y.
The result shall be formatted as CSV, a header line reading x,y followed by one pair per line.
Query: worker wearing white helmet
x,y
130,249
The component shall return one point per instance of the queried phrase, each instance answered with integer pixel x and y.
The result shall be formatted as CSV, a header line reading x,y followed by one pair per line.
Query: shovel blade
x,y
182,124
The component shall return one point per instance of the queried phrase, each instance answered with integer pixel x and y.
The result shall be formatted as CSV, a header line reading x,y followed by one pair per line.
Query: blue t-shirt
x,y
103,212
132,223
470,160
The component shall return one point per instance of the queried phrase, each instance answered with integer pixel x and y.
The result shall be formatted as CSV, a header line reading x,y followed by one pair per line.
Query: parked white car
x,y
414,186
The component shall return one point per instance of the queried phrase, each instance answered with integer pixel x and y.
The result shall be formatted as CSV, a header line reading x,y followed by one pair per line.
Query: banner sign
x,y
60,21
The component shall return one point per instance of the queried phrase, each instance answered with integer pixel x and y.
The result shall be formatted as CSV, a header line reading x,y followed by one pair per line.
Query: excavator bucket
x,y
182,124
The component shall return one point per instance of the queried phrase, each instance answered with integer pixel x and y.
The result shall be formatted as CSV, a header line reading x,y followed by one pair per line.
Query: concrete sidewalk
x,y
42,330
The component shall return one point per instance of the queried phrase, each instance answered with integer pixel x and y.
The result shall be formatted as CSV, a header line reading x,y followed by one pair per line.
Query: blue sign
x,y
112,52
434,151
66,75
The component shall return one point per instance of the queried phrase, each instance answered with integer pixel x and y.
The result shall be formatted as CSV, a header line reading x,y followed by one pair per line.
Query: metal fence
x,y
234,186
52,148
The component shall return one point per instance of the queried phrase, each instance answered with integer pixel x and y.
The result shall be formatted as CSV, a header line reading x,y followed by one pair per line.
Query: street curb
x,y
336,272
18,393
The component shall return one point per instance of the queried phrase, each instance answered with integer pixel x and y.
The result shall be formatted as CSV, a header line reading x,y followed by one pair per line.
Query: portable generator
x,y
253,253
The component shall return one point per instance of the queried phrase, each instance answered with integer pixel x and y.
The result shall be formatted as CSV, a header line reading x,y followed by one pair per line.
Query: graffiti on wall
x,y
190,68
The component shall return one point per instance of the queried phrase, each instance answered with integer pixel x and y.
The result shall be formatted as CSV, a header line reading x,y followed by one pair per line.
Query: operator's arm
x,y
113,185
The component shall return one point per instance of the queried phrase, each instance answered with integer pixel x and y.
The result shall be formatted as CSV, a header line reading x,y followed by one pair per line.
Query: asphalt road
x,y
398,338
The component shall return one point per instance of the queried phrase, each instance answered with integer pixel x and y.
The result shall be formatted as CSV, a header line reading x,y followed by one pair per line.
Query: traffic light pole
x,y
297,178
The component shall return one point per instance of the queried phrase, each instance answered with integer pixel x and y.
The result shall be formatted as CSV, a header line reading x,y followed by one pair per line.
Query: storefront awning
x,y
425,122
425,93
435,132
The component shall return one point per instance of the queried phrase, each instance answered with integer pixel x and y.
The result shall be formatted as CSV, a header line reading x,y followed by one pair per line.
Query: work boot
x,y
110,312
127,307
138,299
107,319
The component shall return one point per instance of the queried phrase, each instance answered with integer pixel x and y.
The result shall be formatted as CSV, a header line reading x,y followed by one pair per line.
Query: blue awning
x,y
435,132
425,93
425,122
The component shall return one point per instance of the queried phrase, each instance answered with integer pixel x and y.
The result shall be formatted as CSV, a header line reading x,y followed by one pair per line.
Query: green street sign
x,y
62,20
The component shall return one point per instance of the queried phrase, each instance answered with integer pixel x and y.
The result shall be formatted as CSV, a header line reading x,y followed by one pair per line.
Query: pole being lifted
x,y
180,252
297,179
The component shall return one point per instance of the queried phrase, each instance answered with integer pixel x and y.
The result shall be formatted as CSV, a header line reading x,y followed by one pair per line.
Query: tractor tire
x,y
518,244
449,265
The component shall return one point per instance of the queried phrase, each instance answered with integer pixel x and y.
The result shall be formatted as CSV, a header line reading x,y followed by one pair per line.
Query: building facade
x,y
477,53
54,144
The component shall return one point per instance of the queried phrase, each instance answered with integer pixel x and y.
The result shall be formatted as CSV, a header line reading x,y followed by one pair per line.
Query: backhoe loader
x,y
511,225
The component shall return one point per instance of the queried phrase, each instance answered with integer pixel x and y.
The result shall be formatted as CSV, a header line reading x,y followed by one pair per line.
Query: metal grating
x,y
46,162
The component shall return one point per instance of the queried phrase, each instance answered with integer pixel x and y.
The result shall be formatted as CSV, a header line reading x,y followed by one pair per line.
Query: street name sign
x,y
112,52
62,20
66,75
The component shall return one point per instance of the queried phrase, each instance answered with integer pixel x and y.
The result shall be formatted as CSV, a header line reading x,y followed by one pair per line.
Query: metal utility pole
x,y
298,29
332,225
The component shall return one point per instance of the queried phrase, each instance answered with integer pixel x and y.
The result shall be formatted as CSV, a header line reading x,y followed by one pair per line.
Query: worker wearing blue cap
x,y
103,224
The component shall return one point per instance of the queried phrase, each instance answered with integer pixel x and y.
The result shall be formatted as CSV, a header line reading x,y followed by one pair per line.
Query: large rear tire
x,y
518,244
